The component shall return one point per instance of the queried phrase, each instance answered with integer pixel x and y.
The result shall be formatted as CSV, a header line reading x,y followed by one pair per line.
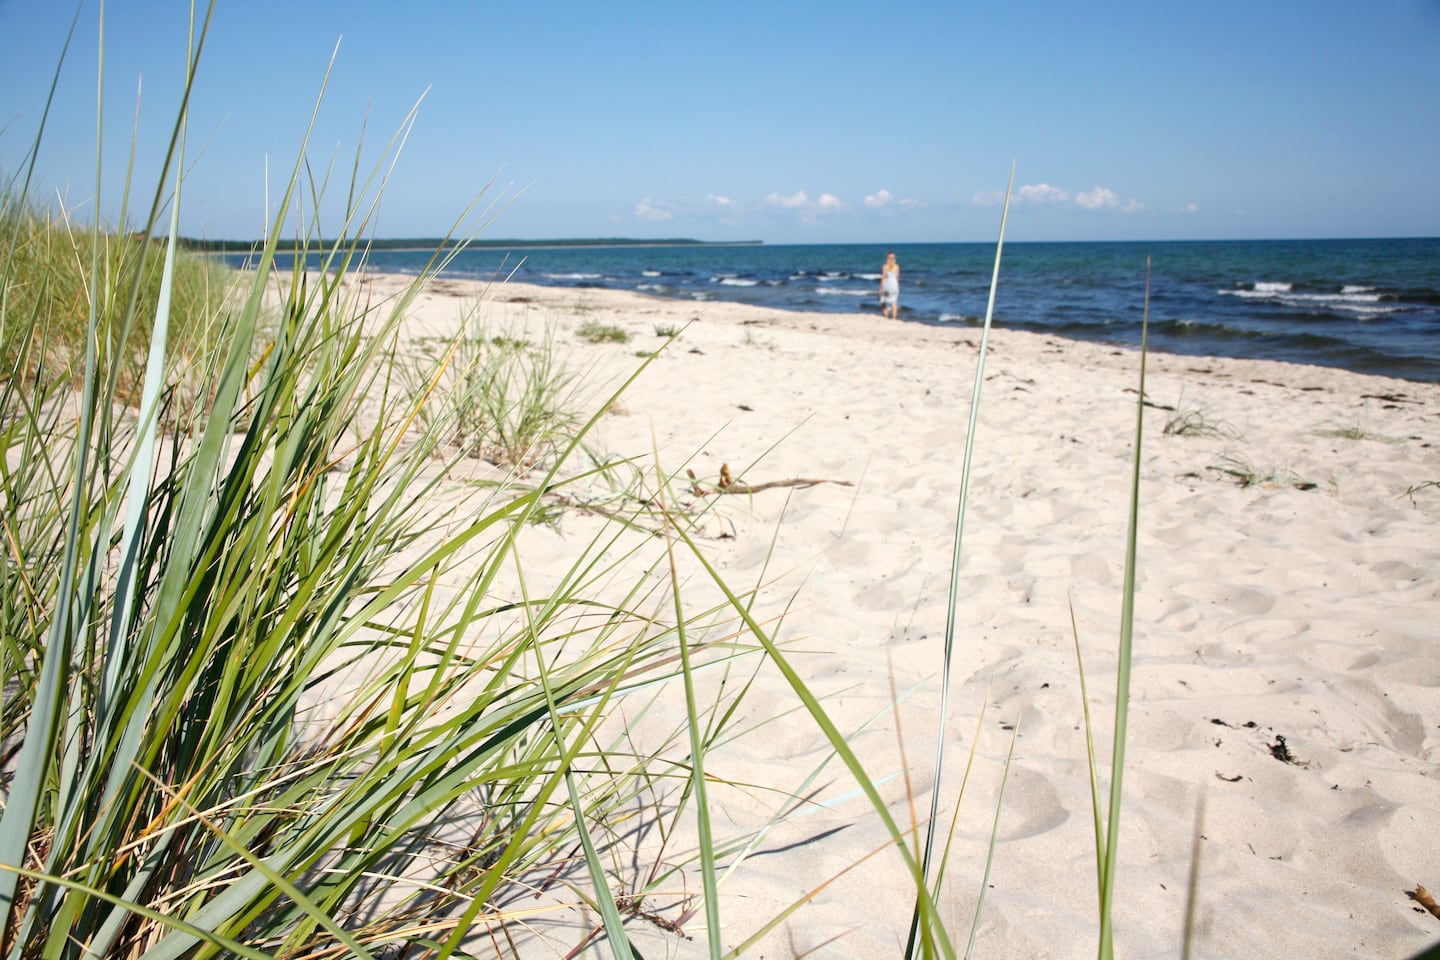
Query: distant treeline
x,y
436,243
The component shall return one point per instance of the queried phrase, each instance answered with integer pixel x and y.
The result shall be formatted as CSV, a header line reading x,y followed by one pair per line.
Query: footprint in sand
x,y
1403,730
1032,806
1401,840
1091,567
1247,601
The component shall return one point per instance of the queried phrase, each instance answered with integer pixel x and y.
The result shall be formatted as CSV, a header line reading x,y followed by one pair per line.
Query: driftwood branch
x,y
1422,896
728,484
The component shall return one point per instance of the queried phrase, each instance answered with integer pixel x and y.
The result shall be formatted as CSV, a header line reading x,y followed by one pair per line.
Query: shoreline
x,y
1368,306
1299,611
220,248
1211,299
870,326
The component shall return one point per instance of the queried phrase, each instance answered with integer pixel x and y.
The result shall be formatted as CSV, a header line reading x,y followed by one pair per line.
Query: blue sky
x,y
789,122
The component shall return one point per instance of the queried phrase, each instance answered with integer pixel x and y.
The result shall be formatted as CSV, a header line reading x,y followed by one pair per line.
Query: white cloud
x,y
1098,198
884,198
1192,208
1042,193
1103,198
716,200
650,211
809,210
796,201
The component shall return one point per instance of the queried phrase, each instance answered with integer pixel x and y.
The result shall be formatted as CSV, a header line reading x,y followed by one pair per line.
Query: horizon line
x,y
420,242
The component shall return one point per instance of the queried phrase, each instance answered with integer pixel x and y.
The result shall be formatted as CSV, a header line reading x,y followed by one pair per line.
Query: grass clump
x,y
668,330
1186,421
594,331
1194,423
45,277
1355,431
510,401
297,678
273,687
1247,474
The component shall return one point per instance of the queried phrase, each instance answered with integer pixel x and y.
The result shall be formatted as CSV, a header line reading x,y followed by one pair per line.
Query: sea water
x,y
1371,306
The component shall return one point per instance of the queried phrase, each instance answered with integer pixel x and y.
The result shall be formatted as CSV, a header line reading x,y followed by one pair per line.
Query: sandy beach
x,y
1287,633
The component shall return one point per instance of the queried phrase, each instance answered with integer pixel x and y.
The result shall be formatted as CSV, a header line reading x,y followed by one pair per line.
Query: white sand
x,y
1262,613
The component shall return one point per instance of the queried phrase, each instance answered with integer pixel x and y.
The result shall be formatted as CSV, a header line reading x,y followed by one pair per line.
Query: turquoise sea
x,y
1367,305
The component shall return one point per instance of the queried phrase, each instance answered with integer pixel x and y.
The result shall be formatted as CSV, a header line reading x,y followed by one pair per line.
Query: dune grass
x,y
594,331
1194,423
512,402
1355,431
259,668
45,273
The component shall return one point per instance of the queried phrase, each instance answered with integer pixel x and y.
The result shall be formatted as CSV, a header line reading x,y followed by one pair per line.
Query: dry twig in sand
x,y
1422,896
729,484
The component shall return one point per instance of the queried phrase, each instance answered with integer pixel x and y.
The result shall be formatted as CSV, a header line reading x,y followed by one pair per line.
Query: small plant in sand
x,y
750,340
1355,431
1194,423
667,330
513,404
1426,485
1247,474
593,331
507,401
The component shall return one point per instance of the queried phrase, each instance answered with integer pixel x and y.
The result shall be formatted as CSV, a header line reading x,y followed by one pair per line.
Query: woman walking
x,y
890,287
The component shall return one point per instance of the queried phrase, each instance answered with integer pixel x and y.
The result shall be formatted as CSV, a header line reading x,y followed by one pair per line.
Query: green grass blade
x,y
160,919
604,897
1090,760
708,875
33,765
994,840
952,610
960,795
268,876
143,459
21,197
837,742
1122,677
